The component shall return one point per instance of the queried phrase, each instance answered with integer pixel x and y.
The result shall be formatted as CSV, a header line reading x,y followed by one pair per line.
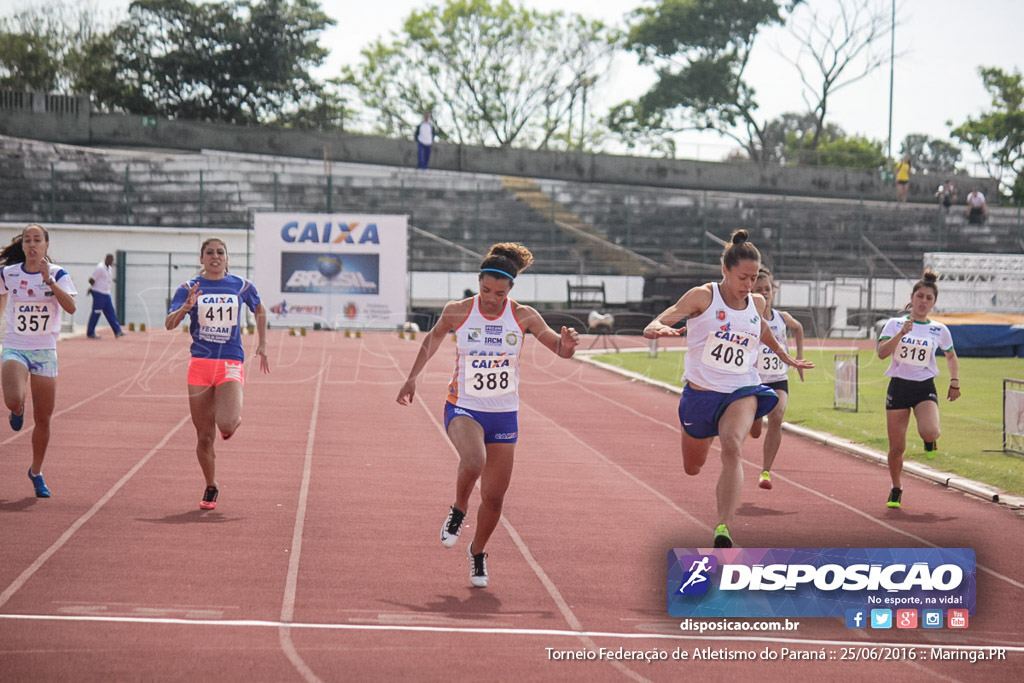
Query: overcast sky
x,y
940,43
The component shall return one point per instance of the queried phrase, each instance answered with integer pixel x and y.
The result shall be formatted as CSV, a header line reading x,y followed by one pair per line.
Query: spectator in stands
x,y
216,372
911,340
39,289
481,412
426,132
723,394
977,208
99,288
946,194
903,170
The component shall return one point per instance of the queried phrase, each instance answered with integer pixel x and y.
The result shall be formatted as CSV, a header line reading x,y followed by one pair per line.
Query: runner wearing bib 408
x,y
911,341
481,413
723,394
38,291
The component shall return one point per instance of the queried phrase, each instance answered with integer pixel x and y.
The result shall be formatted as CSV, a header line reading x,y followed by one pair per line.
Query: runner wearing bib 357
x,y
213,301
38,291
723,394
481,413
912,340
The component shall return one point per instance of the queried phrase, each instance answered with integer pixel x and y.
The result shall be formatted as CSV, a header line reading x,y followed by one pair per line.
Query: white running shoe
x,y
452,527
477,568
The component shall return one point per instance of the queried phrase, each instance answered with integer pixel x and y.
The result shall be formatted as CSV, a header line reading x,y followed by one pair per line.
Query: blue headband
x,y
500,272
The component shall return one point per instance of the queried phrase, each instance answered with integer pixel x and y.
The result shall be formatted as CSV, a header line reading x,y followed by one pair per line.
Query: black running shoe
x,y
452,527
477,568
209,500
894,497
930,446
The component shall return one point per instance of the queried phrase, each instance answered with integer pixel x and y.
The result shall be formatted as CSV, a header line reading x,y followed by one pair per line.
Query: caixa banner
x,y
816,582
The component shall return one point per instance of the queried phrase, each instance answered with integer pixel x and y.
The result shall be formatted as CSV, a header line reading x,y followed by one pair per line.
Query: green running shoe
x,y
722,537
766,480
894,497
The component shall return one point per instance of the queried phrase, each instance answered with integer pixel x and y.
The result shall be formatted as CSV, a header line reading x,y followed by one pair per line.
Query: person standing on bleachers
x,y
977,208
902,178
426,132
99,289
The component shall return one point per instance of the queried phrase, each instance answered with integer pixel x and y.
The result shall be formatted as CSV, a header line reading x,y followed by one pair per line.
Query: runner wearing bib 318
x,y
911,341
723,393
38,291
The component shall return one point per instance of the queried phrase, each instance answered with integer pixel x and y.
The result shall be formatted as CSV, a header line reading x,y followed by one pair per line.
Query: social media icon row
x,y
905,618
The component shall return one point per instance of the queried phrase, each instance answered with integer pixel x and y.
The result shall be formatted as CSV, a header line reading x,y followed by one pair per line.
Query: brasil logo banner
x,y
816,582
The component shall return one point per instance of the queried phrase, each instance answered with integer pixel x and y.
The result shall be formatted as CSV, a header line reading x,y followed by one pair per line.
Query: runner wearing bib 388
x,y
38,290
912,340
481,413
723,394
216,373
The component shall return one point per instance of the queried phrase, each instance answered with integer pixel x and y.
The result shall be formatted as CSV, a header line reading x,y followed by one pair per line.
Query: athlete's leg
x,y
755,429
732,429
15,385
493,484
202,405
44,396
927,415
228,411
468,438
896,422
773,437
695,453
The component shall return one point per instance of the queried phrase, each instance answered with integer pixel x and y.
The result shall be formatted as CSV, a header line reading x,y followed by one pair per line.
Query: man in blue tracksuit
x,y
99,288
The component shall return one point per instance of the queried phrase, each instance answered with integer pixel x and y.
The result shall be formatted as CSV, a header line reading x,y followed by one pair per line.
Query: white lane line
x,y
790,481
291,583
66,536
526,632
25,430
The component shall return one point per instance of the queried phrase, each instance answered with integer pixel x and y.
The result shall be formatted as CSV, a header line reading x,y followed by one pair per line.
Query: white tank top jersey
x,y
33,314
769,365
914,355
723,346
487,361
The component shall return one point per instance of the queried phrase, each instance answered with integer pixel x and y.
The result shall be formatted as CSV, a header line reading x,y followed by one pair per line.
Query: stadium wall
x,y
53,119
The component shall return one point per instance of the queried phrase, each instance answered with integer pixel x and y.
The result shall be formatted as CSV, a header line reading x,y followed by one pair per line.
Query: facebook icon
x,y
856,618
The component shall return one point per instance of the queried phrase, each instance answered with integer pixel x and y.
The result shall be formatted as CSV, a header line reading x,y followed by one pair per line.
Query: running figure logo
x,y
696,581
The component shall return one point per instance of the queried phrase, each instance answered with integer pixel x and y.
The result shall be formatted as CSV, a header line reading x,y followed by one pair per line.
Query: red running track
x,y
322,559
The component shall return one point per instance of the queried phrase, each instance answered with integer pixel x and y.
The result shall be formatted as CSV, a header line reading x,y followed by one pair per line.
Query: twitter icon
x,y
881,618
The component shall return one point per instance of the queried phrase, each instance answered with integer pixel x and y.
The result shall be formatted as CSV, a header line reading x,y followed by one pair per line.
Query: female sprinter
x,y
911,340
215,372
773,372
481,415
38,290
723,394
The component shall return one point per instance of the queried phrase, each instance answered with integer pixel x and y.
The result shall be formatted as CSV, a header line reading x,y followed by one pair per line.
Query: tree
x,y
700,49
490,72
786,139
49,47
931,155
838,47
237,61
997,136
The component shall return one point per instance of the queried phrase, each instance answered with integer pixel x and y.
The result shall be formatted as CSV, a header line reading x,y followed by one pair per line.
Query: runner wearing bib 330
x,y
38,290
723,394
481,413
774,374
216,373
912,340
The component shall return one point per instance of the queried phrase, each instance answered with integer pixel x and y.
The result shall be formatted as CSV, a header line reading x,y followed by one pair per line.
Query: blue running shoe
x,y
37,481
17,420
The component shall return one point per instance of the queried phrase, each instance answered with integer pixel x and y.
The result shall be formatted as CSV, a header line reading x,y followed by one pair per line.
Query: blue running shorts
x,y
42,362
498,427
699,411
